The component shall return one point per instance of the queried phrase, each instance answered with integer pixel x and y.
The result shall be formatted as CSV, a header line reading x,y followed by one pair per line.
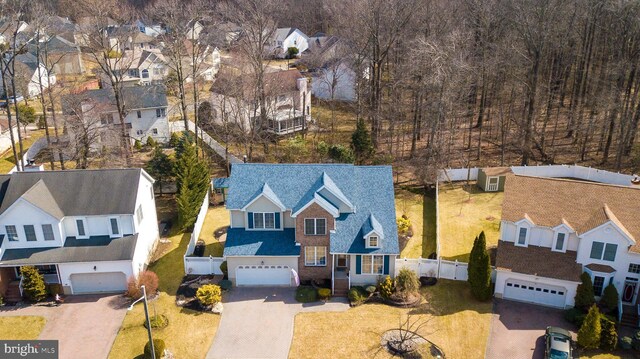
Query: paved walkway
x,y
517,329
85,325
258,322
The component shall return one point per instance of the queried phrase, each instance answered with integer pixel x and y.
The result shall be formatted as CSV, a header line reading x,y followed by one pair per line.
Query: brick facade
x,y
307,273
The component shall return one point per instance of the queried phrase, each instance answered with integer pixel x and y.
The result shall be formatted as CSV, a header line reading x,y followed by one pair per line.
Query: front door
x,y
342,261
629,291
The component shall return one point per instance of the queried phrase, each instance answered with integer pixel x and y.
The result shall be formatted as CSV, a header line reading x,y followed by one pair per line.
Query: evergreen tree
x,y
160,167
589,333
480,269
33,284
608,335
610,297
585,297
361,142
192,179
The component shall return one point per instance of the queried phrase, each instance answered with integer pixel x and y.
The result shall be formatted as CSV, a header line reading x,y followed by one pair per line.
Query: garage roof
x,y
93,249
538,261
261,243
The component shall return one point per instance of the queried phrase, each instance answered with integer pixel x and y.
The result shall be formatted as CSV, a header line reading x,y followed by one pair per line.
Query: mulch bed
x,y
391,340
186,294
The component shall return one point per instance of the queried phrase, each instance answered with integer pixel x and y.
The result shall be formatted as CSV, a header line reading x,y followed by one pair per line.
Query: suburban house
x,y
141,67
288,102
284,38
492,179
553,230
66,29
27,76
65,56
207,61
317,221
146,108
71,227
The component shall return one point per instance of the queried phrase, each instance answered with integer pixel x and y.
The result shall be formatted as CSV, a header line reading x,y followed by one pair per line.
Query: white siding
x,y
97,225
288,221
507,231
147,230
237,219
23,213
263,205
147,123
363,279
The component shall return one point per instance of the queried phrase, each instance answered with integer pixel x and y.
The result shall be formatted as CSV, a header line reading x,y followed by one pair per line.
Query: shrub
x,y
174,140
589,333
626,342
324,293
1,301
209,294
480,269
148,279
407,281
225,269
608,335
371,289
158,348
635,343
306,294
151,142
137,145
575,316
386,287
292,52
404,224
358,295
33,284
584,294
340,153
225,284
158,321
610,298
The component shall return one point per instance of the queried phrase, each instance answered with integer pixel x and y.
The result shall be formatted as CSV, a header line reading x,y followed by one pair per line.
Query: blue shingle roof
x,y
241,242
368,188
221,182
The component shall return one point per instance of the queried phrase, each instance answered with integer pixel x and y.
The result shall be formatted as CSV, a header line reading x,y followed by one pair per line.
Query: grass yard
x,y
214,231
21,327
421,210
7,161
464,213
190,333
456,323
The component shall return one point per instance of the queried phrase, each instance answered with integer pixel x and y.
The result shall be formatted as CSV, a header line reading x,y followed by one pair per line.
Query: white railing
x,y
620,309
492,187
203,265
197,227
553,171
20,286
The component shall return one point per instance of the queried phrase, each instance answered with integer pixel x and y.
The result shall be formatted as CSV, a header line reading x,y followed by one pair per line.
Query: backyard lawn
x,y
190,333
421,210
21,327
464,213
6,160
214,230
456,323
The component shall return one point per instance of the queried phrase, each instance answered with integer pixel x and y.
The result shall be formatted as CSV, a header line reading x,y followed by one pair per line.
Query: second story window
x,y
12,233
373,241
80,226
139,214
106,119
264,220
315,226
30,233
139,113
603,251
522,236
47,231
161,112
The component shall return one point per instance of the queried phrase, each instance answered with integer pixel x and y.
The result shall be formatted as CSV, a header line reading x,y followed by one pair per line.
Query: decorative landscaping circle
x,y
405,343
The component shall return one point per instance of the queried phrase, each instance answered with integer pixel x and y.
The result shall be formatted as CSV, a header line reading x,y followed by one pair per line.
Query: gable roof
x,y
275,83
135,97
73,192
580,205
372,225
282,33
296,184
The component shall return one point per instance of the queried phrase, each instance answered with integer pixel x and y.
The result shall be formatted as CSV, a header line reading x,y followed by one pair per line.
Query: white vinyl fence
x,y
438,268
200,265
553,171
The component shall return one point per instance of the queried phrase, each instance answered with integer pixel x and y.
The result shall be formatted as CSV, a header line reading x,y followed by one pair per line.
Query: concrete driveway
x,y
517,329
85,325
258,322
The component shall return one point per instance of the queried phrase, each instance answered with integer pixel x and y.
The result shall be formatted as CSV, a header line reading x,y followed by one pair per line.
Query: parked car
x,y
558,344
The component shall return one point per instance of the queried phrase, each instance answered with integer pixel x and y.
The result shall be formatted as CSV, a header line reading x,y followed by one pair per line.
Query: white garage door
x,y
263,275
531,292
83,283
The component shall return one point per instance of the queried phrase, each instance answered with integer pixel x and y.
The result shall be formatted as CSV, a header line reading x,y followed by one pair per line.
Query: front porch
x,y
14,293
630,316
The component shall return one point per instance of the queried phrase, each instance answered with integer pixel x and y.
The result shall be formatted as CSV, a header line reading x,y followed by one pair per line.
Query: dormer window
x,y
523,234
372,241
560,242
264,220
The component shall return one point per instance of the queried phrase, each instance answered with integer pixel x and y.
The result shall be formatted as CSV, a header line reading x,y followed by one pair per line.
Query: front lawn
x,y
21,327
464,213
456,323
7,161
421,210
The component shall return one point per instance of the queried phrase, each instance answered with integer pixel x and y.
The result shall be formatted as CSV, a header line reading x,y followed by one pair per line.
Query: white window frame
x,y
372,258
139,214
264,221
44,236
555,241
15,237
377,237
315,227
84,226
111,234
26,236
526,237
315,262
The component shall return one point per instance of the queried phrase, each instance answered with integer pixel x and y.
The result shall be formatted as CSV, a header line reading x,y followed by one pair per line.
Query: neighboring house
x,y
65,56
141,41
288,102
142,66
74,230
553,230
146,108
284,38
8,27
66,29
153,30
27,76
492,179
194,28
335,81
228,33
207,61
320,220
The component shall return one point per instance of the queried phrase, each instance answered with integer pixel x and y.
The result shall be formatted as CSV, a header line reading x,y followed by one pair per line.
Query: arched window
x,y
145,74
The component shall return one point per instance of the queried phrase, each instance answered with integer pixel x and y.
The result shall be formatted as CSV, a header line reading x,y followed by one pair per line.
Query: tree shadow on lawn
x,y
170,267
450,297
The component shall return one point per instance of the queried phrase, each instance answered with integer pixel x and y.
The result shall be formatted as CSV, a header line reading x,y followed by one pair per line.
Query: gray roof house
x,y
71,226
322,222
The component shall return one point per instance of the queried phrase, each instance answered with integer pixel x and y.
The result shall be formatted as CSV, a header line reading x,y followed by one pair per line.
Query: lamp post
x,y
146,314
